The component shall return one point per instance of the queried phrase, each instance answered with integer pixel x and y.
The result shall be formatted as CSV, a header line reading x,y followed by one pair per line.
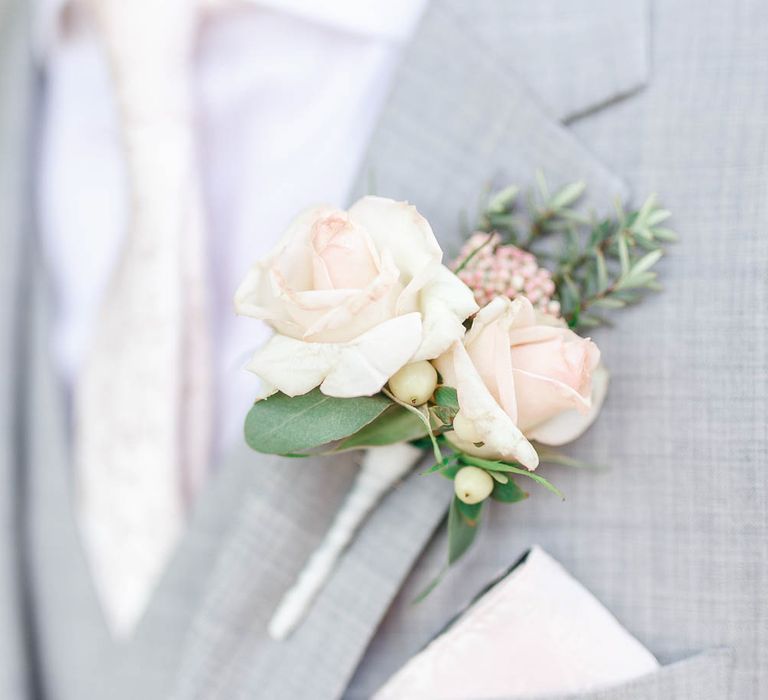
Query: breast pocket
x,y
702,676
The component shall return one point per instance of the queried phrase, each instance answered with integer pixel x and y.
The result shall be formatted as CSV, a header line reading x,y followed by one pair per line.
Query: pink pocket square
x,y
536,631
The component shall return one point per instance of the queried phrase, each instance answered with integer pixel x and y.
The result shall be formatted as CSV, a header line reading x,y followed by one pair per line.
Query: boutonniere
x,y
484,362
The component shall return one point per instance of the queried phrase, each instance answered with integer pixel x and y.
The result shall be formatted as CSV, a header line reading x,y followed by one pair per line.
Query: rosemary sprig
x,y
596,264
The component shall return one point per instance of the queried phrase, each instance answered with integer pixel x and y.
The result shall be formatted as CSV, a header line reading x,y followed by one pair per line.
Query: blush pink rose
x,y
519,371
353,296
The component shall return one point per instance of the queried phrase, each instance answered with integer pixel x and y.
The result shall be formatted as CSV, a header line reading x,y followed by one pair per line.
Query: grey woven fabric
x,y
15,84
673,538
704,676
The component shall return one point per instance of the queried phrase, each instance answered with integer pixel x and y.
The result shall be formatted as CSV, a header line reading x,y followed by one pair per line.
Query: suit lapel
x,y
455,119
17,657
576,56
458,120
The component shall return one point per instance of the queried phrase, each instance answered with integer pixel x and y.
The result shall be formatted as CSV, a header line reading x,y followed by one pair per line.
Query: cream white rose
x,y
516,372
353,296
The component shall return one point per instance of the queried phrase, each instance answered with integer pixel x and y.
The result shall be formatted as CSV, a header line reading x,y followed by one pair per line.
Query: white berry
x,y
472,485
414,383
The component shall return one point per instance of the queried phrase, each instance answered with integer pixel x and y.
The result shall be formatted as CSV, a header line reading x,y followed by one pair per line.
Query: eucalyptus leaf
x,y
283,424
395,424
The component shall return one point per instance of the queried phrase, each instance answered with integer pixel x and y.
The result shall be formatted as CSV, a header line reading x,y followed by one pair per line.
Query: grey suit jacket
x,y
673,538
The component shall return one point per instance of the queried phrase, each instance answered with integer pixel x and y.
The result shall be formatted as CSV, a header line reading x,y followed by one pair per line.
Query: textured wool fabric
x,y
672,538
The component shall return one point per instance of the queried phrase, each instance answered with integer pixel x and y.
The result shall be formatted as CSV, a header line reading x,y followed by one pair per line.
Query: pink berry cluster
x,y
505,270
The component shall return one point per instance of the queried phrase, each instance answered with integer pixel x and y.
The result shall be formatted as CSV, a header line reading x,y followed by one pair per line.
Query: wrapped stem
x,y
381,468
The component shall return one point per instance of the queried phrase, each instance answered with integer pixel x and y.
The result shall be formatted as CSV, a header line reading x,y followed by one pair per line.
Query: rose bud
x,y
414,383
472,485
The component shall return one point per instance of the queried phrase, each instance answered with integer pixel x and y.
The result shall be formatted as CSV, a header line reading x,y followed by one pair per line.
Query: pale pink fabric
x,y
142,423
538,631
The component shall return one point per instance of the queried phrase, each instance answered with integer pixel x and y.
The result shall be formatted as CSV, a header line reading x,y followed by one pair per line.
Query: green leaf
x,y
503,200
568,195
470,512
508,493
589,321
665,234
462,529
623,253
442,415
444,463
394,425
283,424
647,207
634,281
434,583
646,262
505,467
450,471
657,216
447,396
609,303
602,270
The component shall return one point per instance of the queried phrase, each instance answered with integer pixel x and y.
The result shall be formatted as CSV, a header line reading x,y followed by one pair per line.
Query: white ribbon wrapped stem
x,y
381,468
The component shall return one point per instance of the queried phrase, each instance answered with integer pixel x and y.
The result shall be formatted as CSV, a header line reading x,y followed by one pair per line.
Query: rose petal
x,y
339,315
501,437
254,298
445,303
344,256
571,424
358,368
399,228
488,346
